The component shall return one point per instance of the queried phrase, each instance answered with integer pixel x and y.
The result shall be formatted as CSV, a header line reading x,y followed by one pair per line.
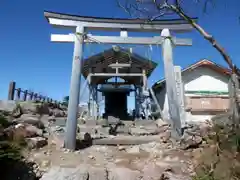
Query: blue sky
x,y
28,57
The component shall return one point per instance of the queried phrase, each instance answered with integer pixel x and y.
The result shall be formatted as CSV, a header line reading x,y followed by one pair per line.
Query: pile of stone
x,y
113,126
28,121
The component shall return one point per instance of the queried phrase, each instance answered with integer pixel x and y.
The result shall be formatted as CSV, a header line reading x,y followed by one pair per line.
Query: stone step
x,y
144,122
93,129
125,140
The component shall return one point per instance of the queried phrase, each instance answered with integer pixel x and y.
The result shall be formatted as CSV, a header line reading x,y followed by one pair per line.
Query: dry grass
x,y
220,159
12,164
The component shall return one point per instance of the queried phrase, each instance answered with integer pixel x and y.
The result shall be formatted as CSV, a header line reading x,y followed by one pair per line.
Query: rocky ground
x,y
140,150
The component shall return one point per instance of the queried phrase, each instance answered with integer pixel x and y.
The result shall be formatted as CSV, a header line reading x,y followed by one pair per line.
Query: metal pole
x,y
167,51
93,103
71,125
96,102
136,103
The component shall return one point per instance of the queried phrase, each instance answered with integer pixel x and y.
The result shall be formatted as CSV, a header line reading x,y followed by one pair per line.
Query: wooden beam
x,y
69,38
119,65
116,74
118,83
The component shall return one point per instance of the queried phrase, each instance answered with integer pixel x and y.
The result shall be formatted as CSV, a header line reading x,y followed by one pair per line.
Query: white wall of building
x,y
205,79
199,79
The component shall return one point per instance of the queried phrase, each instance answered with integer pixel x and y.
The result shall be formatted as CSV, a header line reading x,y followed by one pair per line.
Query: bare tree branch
x,y
206,35
169,7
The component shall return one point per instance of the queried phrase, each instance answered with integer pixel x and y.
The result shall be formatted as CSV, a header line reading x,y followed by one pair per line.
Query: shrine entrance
x,y
116,105
128,72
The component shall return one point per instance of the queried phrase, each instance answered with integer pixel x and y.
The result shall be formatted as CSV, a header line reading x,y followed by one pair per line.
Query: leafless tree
x,y
156,9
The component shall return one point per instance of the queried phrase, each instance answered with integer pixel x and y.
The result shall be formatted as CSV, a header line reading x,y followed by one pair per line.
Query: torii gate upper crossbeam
x,y
110,24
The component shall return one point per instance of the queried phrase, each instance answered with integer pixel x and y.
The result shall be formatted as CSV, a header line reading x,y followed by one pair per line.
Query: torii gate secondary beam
x,y
110,24
120,40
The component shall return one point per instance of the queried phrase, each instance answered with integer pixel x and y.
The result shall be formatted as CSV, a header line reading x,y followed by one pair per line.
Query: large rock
x,y
152,172
123,130
172,176
190,141
7,106
121,173
30,119
34,130
36,142
113,120
18,132
98,173
141,130
57,113
29,107
59,173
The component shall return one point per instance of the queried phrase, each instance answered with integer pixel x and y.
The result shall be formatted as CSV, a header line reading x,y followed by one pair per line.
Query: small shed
x,y
206,90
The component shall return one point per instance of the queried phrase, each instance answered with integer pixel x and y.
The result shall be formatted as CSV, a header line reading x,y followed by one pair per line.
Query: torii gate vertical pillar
x,y
171,88
71,125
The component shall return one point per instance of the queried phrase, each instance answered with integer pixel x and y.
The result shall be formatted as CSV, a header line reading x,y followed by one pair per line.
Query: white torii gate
x,y
80,25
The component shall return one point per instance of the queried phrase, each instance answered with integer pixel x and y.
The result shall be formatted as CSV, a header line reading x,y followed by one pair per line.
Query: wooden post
x,y
18,94
25,94
11,90
180,94
35,96
174,113
58,104
31,96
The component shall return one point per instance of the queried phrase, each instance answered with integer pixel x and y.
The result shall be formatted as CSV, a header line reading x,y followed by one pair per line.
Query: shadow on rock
x,y
85,143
